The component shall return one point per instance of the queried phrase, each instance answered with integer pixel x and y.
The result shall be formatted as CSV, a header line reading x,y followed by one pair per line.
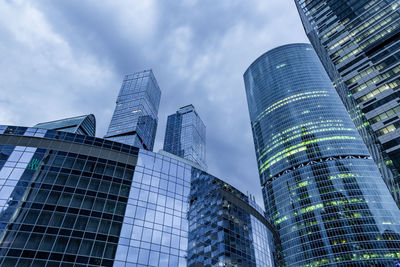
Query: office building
x,y
185,136
227,228
85,125
358,44
134,121
321,188
68,199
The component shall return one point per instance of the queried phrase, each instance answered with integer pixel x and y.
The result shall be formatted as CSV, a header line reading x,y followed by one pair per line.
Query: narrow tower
x,y
185,135
321,188
135,117
358,44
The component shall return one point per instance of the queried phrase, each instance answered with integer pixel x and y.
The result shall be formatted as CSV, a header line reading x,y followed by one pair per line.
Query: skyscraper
x,y
85,124
321,189
185,135
134,121
358,44
73,200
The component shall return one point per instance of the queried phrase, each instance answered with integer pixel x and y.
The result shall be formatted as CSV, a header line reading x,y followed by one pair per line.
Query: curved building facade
x,y
73,200
226,228
358,44
321,188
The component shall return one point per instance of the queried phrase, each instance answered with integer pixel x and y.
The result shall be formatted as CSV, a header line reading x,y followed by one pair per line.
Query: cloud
x,y
43,76
65,58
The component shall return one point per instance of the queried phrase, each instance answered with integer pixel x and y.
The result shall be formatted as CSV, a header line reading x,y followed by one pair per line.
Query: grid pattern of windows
x,y
60,207
221,231
155,228
358,44
321,189
134,121
73,200
185,136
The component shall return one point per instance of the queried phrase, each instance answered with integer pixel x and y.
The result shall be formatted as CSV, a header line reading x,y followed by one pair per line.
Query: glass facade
x,y
185,136
73,200
358,44
226,228
321,189
134,121
85,124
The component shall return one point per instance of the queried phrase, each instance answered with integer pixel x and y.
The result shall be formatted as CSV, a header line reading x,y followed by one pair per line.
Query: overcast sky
x,y
67,58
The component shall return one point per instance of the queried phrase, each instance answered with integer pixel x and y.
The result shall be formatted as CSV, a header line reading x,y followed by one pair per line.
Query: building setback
x,y
321,189
134,121
185,135
358,44
78,200
85,124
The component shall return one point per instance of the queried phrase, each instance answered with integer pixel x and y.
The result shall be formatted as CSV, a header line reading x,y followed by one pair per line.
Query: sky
x,y
67,58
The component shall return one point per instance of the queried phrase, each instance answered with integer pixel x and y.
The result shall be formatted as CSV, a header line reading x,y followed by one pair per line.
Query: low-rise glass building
x,y
73,200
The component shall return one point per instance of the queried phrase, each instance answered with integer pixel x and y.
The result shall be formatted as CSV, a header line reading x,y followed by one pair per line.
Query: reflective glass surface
x,y
185,136
73,200
224,228
358,44
134,121
57,206
321,188
155,228
81,125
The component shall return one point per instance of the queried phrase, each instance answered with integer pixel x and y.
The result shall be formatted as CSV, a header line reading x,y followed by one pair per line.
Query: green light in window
x,y
298,148
290,99
302,184
312,208
280,220
346,175
34,164
280,66
365,124
281,140
388,162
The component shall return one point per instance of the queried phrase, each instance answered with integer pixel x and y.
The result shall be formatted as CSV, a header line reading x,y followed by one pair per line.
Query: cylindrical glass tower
x,y
321,189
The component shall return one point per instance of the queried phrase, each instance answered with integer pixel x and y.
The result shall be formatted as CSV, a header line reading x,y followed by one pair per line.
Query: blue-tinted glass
x,y
358,44
321,189
85,125
185,136
134,121
83,207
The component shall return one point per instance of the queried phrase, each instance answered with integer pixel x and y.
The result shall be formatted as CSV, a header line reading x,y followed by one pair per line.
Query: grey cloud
x,y
74,57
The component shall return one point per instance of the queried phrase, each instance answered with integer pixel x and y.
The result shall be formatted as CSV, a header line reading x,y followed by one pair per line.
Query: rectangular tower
x,y
358,44
135,117
185,135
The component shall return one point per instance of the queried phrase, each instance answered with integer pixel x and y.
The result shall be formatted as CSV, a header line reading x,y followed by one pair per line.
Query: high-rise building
x,y
185,135
321,189
85,124
134,121
74,200
358,44
227,228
